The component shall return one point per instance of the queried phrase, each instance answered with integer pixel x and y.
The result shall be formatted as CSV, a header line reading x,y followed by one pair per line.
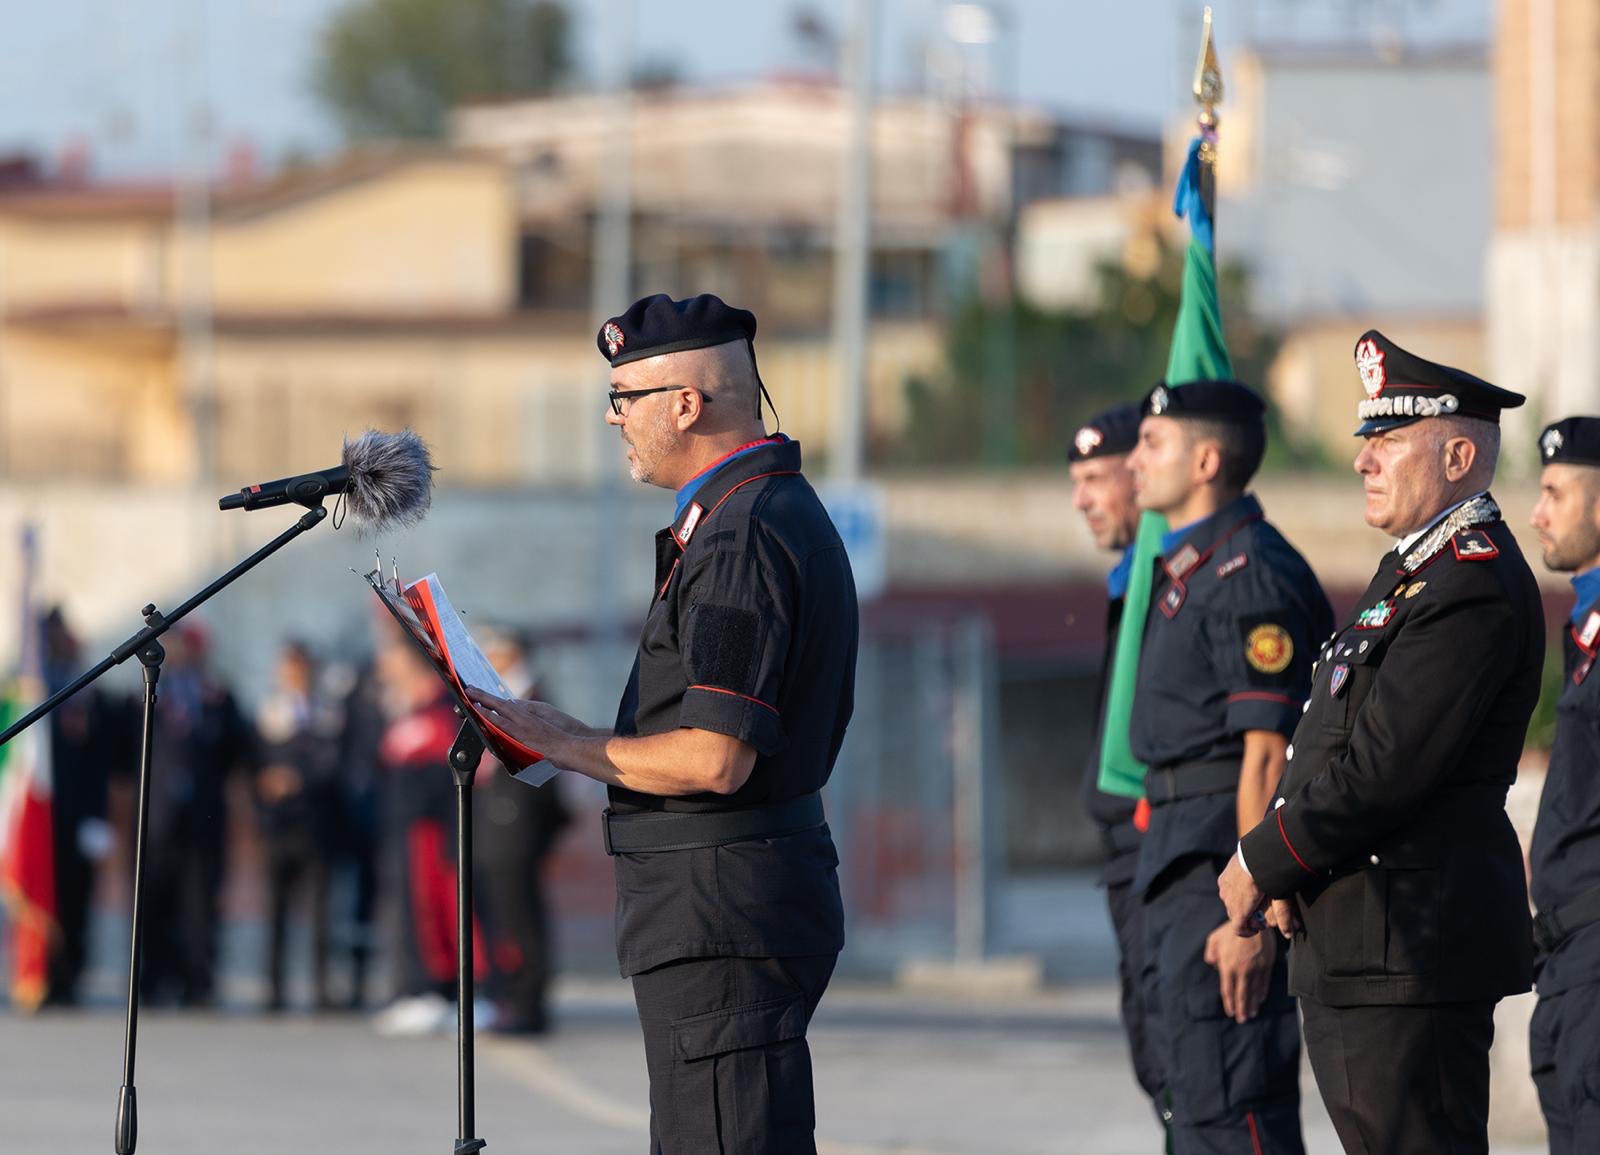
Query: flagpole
x,y
1208,94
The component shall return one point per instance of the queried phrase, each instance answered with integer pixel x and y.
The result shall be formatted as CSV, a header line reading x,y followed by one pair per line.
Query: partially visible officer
x,y
728,912
1565,1036
1224,668
1102,490
1389,833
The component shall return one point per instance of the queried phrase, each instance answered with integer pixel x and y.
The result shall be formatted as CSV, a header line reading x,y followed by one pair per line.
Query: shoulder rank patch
x,y
1414,589
1269,648
689,524
1473,545
1376,617
1232,565
1590,630
1182,563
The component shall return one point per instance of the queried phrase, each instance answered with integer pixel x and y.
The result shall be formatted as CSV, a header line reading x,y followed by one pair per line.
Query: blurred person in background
x,y
419,843
356,837
515,827
1103,491
201,739
90,735
297,797
1564,1035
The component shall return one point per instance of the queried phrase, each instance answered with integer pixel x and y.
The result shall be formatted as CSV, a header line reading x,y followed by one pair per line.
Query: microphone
x,y
387,479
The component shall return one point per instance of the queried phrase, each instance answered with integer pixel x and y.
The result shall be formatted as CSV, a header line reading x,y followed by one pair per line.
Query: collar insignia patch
x,y
686,531
1181,563
1591,630
1474,545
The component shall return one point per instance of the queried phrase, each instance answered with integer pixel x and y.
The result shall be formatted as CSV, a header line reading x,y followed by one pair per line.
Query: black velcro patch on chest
x,y
723,646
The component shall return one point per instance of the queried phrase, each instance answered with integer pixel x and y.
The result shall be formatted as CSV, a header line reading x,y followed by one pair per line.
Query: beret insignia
x,y
1088,440
1159,400
613,337
1551,442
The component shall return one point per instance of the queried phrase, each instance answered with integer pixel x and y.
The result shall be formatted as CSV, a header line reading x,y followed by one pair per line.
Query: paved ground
x,y
896,1075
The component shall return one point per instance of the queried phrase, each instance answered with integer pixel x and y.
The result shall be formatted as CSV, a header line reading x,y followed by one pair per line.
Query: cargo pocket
x,y
1231,1068
759,1069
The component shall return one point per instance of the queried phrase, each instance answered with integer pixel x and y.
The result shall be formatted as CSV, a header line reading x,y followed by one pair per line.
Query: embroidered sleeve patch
x,y
1232,565
1269,648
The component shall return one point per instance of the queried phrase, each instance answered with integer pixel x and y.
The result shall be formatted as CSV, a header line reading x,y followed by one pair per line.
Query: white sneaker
x,y
412,1017
484,1015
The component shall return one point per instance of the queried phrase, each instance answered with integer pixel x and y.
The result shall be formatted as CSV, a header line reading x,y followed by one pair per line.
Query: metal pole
x,y
852,252
612,256
193,212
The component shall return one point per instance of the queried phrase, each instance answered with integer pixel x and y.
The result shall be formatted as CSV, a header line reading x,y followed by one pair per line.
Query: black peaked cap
x,y
1106,434
657,324
1402,388
1571,441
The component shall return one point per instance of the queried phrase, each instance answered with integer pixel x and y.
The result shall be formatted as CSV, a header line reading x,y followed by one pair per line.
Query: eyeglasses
x,y
618,396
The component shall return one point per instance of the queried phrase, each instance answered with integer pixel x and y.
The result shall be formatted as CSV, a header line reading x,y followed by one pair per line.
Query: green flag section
x,y
1199,353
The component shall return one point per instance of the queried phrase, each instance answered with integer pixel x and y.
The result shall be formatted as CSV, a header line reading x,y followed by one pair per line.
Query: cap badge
x,y
1159,400
612,335
1088,440
1551,441
1369,359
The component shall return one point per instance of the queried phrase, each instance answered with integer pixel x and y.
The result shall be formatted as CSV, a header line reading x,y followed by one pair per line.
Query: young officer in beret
x,y
1388,836
1224,668
1565,1034
728,913
1102,490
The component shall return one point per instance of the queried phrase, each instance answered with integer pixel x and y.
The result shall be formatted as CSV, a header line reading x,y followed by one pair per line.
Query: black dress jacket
x,y
1390,828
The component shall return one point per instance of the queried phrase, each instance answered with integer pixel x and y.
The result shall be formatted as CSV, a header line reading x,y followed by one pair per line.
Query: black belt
x,y
1120,839
1552,927
1171,784
658,830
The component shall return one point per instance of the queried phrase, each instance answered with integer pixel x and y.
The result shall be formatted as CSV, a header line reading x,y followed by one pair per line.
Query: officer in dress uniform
x,y
1224,668
1102,490
1565,1034
1409,912
728,912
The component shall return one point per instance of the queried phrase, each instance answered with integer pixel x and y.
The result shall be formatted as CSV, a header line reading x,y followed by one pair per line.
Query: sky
x,y
120,77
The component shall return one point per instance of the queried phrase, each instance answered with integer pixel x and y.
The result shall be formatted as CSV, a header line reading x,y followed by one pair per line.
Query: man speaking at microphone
x,y
728,912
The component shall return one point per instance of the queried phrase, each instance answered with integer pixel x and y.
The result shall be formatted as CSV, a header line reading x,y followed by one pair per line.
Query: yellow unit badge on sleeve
x,y
1268,648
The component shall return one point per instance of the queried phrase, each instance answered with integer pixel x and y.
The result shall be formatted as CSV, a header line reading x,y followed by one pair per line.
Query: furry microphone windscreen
x,y
391,479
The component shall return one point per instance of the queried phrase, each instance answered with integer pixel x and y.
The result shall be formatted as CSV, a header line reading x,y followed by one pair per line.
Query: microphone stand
x,y
465,754
146,646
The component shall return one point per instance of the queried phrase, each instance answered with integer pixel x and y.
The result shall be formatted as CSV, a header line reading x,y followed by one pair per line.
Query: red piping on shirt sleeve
x,y
736,694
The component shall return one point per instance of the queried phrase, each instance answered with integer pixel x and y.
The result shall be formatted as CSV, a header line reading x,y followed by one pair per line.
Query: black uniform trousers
x,y
1234,1087
1565,1047
1127,921
725,1046
296,865
1429,1094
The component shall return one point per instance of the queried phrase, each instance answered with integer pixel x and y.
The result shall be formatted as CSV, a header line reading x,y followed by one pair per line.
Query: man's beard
x,y
650,445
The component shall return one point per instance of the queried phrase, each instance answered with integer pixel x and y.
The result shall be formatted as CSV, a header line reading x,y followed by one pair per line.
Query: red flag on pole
x,y
27,867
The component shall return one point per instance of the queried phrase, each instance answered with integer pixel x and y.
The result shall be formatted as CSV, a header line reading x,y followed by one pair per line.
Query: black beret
x,y
1572,441
1228,401
1402,388
1106,434
658,324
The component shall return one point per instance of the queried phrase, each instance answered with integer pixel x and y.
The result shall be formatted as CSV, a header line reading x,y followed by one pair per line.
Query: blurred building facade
x,y
1544,265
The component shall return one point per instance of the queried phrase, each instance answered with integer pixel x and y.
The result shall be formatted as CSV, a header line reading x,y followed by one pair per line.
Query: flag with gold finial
x,y
1199,352
27,869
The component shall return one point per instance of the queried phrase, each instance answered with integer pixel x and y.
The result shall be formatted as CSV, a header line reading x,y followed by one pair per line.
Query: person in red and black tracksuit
x,y
1225,664
1564,1036
729,919
1387,854
1102,490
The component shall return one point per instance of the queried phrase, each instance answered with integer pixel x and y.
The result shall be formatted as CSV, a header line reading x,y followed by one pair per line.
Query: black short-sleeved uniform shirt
x,y
1389,828
1235,615
752,633
1565,857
